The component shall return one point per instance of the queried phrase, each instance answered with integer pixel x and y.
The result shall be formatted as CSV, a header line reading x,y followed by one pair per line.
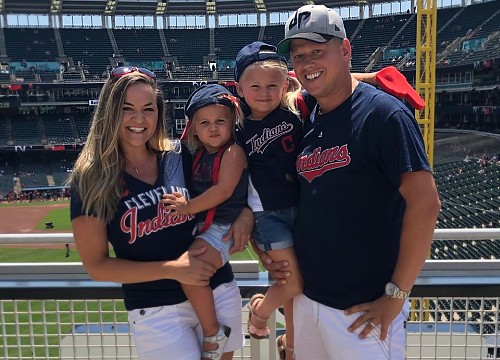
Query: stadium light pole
x,y
425,74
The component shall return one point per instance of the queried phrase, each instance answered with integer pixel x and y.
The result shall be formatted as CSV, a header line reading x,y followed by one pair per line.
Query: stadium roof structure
x,y
164,7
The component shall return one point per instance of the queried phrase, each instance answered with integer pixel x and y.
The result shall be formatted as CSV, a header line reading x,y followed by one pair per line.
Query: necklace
x,y
136,168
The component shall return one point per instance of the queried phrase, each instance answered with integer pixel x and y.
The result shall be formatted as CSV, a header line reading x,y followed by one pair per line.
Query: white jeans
x,y
321,334
174,332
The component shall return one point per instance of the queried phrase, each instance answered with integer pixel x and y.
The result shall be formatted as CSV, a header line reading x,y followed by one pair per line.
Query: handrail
x,y
449,288
71,280
437,278
62,238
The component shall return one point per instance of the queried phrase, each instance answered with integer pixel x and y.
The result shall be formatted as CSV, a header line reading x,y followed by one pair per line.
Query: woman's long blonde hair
x,y
98,170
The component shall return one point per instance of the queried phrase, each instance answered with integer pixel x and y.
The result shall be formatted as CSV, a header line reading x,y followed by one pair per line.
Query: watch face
x,y
390,288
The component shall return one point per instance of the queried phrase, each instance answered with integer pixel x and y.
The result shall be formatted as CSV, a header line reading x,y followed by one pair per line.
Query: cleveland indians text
x,y
320,161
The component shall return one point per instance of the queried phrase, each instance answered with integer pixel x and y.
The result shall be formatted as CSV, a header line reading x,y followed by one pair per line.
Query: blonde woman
x,y
125,168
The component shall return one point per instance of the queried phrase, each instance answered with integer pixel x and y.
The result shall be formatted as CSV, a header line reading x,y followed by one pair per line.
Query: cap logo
x,y
298,18
266,51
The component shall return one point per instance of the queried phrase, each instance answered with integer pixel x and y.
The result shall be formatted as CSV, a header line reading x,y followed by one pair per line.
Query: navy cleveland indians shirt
x,y
350,209
143,230
271,146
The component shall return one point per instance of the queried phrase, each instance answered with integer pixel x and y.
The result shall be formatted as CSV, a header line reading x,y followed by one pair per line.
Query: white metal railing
x,y
55,311
62,238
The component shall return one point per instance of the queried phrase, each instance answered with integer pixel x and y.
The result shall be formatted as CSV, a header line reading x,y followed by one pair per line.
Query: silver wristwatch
x,y
393,291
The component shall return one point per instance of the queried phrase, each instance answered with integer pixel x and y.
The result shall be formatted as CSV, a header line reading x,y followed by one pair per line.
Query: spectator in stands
x,y
368,202
126,166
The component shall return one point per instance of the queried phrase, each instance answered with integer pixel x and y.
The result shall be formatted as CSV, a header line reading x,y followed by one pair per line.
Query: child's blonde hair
x,y
289,98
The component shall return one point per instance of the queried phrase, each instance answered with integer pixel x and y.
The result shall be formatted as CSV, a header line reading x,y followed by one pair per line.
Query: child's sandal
x,y
255,332
220,339
283,347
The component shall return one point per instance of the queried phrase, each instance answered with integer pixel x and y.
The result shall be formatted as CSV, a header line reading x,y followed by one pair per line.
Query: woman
x,y
118,181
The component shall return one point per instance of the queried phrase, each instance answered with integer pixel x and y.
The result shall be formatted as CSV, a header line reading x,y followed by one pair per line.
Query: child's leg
x,y
202,298
277,295
280,295
288,339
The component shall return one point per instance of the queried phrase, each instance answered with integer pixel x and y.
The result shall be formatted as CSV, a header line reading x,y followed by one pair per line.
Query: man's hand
x,y
380,312
277,269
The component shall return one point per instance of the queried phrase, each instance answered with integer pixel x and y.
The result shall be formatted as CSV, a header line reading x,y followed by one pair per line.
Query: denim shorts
x,y
273,230
213,236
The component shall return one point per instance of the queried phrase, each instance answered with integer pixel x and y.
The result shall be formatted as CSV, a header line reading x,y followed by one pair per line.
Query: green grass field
x,y
18,255
51,318
61,218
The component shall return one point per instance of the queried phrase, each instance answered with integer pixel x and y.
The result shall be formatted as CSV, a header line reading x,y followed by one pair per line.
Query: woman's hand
x,y
241,231
393,82
190,270
369,78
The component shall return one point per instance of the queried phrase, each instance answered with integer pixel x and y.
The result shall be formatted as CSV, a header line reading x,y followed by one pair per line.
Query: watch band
x,y
393,291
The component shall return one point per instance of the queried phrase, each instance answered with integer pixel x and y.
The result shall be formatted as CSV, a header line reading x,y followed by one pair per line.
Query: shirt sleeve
x,y
402,147
76,204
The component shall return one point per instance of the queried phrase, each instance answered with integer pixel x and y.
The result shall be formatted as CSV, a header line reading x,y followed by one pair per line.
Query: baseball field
x,y
26,218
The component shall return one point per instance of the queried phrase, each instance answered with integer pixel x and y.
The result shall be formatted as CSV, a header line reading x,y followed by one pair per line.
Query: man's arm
x,y
422,208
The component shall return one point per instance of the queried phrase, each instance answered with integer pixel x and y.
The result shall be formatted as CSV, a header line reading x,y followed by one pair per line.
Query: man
x,y
368,202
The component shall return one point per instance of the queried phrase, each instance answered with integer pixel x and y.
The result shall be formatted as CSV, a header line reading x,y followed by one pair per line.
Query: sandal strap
x,y
220,339
266,320
252,329
251,307
217,337
210,355
283,345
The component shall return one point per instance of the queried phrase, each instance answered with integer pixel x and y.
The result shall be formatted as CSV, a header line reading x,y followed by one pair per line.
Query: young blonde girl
x,y
270,135
219,188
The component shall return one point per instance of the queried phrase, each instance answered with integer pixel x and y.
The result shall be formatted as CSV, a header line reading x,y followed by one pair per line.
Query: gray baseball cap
x,y
312,22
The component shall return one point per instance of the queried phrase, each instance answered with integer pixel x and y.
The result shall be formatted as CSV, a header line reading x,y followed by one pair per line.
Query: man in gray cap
x,y
368,202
